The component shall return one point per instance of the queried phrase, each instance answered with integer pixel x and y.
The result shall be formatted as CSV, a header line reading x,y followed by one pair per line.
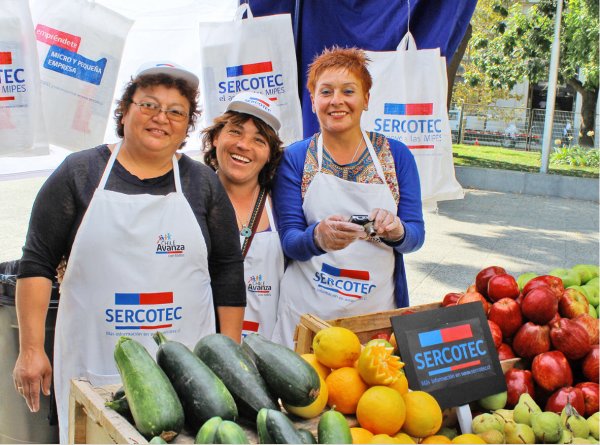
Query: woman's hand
x,y
336,233
387,225
32,372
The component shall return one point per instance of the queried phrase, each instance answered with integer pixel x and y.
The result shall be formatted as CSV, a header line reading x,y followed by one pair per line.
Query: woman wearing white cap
x,y
149,238
243,147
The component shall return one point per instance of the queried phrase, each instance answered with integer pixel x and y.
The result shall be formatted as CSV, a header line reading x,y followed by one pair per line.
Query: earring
x,y
366,108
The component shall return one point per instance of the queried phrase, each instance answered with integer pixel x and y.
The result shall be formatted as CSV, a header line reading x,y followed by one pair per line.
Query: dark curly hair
x,y
265,177
151,80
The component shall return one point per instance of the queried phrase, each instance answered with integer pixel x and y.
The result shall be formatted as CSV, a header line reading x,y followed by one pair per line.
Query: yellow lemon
x,y
383,438
403,438
321,369
468,438
336,347
360,435
436,439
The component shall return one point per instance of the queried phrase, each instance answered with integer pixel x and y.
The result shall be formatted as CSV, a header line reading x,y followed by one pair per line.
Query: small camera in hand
x,y
364,221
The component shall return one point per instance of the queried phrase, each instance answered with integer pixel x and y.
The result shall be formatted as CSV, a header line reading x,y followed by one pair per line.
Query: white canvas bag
x,y
21,122
80,44
408,103
253,54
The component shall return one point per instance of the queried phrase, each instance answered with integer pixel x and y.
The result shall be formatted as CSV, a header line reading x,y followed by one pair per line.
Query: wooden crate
x,y
364,326
91,422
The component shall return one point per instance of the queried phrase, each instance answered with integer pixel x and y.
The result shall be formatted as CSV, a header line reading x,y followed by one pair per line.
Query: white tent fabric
x,y
161,31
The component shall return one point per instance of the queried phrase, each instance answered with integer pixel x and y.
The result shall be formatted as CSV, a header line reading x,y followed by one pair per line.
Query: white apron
x,y
263,269
355,280
138,265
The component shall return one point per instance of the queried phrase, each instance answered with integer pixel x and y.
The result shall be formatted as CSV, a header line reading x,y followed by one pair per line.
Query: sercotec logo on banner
x,y
251,77
12,79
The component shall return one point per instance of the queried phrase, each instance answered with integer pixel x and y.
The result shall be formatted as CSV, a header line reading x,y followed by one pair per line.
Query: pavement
x,y
522,233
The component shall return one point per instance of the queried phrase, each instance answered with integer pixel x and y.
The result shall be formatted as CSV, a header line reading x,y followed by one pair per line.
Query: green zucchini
x,y
201,392
119,393
237,371
333,428
154,405
157,439
307,436
230,432
288,376
281,429
261,427
208,431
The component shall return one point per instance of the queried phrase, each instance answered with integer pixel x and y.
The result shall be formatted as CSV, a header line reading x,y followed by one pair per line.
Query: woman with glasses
x,y
150,241
243,147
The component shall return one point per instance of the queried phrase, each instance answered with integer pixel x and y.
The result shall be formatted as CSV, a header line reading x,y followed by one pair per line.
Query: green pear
x,y
494,401
518,433
592,311
594,422
523,409
586,271
566,437
574,422
547,426
524,278
492,436
484,422
569,277
582,440
450,433
504,415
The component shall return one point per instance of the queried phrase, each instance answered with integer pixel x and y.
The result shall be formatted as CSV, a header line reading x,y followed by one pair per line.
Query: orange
x,y
321,369
403,438
315,408
400,385
468,438
436,439
381,410
423,414
377,365
360,435
336,347
383,438
345,389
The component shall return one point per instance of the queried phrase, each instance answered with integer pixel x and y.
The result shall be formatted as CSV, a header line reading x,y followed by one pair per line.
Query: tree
x,y
521,49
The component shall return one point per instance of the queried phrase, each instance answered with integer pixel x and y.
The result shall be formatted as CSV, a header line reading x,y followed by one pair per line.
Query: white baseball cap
x,y
170,68
257,105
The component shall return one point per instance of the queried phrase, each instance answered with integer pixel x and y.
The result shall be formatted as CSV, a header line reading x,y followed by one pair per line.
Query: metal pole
x,y
551,96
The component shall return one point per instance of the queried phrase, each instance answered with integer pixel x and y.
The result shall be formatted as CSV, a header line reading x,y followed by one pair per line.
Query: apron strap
x,y
254,220
270,215
367,140
113,158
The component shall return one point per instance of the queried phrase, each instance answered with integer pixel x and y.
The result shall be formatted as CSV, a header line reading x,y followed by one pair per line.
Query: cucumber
x,y
201,392
237,371
281,429
208,431
120,405
119,393
154,405
261,427
157,439
288,376
230,432
333,428
307,436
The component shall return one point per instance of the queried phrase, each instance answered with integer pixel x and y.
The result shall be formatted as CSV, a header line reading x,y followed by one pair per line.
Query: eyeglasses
x,y
152,109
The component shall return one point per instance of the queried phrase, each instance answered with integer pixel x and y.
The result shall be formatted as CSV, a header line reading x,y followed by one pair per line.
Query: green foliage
x,y
576,156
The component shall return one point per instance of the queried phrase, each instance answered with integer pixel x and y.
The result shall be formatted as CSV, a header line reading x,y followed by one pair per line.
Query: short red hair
x,y
353,59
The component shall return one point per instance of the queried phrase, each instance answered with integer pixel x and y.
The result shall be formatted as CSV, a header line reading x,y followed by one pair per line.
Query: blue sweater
x,y
297,236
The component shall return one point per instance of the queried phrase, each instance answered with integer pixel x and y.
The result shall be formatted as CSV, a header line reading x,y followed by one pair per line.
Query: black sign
x,y
449,353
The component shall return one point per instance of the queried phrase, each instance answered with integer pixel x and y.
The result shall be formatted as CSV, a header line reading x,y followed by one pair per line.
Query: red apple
x,y
551,371
590,324
591,393
590,365
470,297
505,352
484,275
554,319
568,394
451,298
506,313
381,336
551,281
570,338
531,339
502,285
572,303
539,305
518,381
496,333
